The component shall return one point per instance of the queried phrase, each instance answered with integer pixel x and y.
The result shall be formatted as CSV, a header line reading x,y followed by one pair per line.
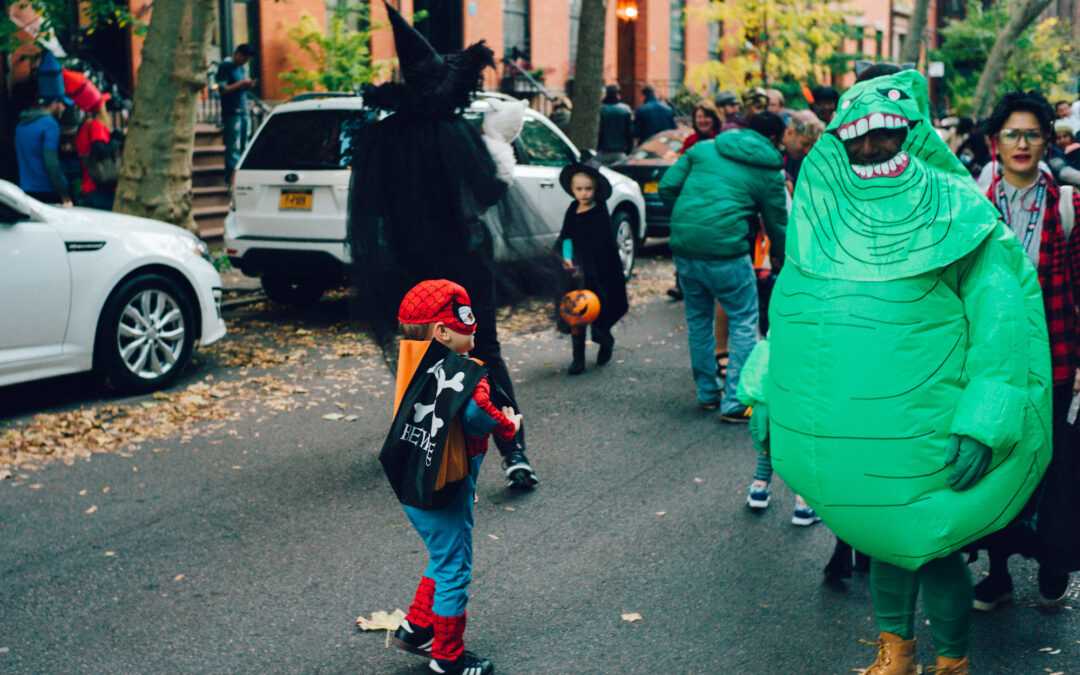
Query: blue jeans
x,y
732,284
234,129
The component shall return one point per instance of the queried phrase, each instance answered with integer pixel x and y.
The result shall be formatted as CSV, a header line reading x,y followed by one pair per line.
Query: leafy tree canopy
x,y
777,41
59,20
1042,58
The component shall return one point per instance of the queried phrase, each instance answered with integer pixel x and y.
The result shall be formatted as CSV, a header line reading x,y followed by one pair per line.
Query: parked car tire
x,y
296,292
146,333
627,242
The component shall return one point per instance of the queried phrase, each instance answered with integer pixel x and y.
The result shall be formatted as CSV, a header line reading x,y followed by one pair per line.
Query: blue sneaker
x,y
758,497
804,516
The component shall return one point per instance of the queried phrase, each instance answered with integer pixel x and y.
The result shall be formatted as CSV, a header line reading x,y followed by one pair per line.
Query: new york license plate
x,y
295,199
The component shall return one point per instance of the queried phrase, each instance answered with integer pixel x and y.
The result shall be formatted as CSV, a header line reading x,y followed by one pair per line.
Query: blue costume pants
x,y
447,533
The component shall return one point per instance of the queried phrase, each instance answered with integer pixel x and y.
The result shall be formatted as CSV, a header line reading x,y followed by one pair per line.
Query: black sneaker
x,y
466,664
519,473
415,639
991,592
1053,587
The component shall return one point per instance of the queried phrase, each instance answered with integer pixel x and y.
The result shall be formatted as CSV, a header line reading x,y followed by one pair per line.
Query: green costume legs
x,y
946,585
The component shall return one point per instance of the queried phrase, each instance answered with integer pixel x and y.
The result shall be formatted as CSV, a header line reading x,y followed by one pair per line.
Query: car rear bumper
x,y
321,264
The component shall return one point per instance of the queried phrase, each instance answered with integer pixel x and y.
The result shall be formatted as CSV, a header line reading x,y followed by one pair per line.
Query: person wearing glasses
x,y
1041,214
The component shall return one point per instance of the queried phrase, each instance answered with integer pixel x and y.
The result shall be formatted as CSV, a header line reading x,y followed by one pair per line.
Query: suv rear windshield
x,y
308,139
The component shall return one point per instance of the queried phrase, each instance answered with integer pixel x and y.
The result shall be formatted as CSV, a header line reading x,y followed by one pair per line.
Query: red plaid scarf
x,y
1059,275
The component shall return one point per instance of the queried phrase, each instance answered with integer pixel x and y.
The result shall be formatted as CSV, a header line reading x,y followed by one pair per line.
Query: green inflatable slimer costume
x,y
907,314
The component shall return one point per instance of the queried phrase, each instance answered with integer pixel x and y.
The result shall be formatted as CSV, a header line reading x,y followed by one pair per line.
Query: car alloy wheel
x,y
146,333
625,240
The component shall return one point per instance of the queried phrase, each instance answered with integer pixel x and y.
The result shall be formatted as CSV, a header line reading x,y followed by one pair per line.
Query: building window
x,y
879,44
678,47
575,19
716,50
516,29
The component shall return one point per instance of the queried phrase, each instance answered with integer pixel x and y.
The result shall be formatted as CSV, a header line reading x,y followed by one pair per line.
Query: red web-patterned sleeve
x,y
504,430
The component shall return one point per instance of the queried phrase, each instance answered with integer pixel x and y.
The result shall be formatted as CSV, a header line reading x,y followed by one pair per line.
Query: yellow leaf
x,y
631,617
381,620
90,510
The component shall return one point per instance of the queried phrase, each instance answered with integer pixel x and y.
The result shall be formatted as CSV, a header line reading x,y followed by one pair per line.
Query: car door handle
x,y
547,184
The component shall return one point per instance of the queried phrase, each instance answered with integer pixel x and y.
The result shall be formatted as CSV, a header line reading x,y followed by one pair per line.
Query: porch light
x,y
626,10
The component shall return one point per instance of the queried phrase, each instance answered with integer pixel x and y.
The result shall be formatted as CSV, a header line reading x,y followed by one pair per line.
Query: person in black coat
x,y
591,256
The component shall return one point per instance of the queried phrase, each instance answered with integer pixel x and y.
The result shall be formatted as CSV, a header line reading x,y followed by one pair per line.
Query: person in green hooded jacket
x,y
717,186
904,387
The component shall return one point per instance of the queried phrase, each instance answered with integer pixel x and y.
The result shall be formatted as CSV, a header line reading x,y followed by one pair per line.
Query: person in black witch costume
x,y
443,416
591,256
422,177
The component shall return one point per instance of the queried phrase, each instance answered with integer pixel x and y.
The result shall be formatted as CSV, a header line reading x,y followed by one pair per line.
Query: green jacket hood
x,y
916,212
30,114
746,146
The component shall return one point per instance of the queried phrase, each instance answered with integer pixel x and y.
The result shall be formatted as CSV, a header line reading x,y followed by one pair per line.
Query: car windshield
x,y
664,145
307,139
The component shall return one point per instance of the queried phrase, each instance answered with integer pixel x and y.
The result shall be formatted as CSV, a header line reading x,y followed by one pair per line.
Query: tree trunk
x,y
913,47
155,177
588,74
1029,10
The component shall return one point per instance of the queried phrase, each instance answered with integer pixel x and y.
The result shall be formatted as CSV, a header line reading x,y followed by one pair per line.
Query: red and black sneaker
x,y
466,664
415,639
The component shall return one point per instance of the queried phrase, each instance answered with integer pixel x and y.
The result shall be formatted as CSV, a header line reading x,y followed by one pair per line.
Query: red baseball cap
x,y
438,300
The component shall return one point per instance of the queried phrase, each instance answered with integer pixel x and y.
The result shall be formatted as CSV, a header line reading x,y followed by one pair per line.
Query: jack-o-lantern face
x,y
579,307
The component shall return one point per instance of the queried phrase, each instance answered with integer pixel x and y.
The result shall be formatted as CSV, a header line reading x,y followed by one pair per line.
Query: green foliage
x,y
1042,58
59,20
798,40
341,53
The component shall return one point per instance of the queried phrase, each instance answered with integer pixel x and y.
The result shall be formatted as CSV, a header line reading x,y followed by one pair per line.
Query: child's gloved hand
x,y
759,427
513,417
971,457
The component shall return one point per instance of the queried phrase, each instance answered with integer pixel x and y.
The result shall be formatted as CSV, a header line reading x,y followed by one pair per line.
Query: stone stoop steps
x,y
210,194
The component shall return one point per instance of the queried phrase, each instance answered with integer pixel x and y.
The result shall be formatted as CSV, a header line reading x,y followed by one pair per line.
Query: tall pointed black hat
x,y
434,84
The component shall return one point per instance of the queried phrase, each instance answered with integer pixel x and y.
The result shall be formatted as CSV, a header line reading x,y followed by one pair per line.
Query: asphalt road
x,y
253,549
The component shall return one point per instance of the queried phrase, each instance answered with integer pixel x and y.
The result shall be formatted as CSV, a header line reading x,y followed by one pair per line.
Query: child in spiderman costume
x,y
437,326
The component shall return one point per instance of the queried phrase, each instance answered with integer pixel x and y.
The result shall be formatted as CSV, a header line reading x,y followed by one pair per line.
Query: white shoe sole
x,y
757,503
805,522
983,606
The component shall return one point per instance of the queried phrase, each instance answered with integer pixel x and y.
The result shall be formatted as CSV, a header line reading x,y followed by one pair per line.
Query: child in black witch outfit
x,y
591,256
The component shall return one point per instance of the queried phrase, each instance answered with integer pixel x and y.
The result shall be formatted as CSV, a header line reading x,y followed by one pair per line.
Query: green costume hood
x,y
916,212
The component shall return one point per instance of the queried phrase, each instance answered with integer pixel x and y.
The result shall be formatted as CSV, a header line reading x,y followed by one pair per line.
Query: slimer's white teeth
x,y
887,169
872,121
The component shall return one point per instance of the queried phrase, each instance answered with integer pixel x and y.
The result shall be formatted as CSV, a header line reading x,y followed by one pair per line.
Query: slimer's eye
x,y
893,94
845,104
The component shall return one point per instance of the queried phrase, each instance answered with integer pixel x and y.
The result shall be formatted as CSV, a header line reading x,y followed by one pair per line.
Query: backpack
x,y
105,172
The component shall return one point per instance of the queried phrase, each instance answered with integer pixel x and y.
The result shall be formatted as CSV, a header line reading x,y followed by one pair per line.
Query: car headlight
x,y
202,249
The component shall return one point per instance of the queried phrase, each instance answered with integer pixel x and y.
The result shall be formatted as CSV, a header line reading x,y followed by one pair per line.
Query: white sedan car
x,y
86,289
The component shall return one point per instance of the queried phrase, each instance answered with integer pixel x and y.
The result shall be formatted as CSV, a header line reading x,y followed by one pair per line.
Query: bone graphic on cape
x,y
455,382
422,411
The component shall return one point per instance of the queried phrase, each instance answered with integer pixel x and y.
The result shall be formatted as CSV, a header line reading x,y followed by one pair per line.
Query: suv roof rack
x,y
495,94
307,96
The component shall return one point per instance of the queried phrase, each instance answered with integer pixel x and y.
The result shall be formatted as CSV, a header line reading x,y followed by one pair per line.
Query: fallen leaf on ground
x,y
90,510
333,417
380,620
631,617
4,474
178,577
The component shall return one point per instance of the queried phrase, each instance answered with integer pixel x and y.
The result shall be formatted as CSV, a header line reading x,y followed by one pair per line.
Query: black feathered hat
x,y
434,83
590,168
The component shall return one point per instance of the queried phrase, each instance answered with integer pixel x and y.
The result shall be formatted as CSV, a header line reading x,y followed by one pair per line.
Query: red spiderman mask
x,y
438,300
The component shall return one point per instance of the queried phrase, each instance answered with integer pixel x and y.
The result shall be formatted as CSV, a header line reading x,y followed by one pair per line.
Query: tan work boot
x,y
894,657
950,665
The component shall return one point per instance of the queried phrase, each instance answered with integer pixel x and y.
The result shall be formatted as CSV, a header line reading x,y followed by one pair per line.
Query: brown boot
x,y
894,657
950,665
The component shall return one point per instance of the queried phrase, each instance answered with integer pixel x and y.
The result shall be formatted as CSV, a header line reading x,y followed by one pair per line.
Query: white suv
x,y
287,222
